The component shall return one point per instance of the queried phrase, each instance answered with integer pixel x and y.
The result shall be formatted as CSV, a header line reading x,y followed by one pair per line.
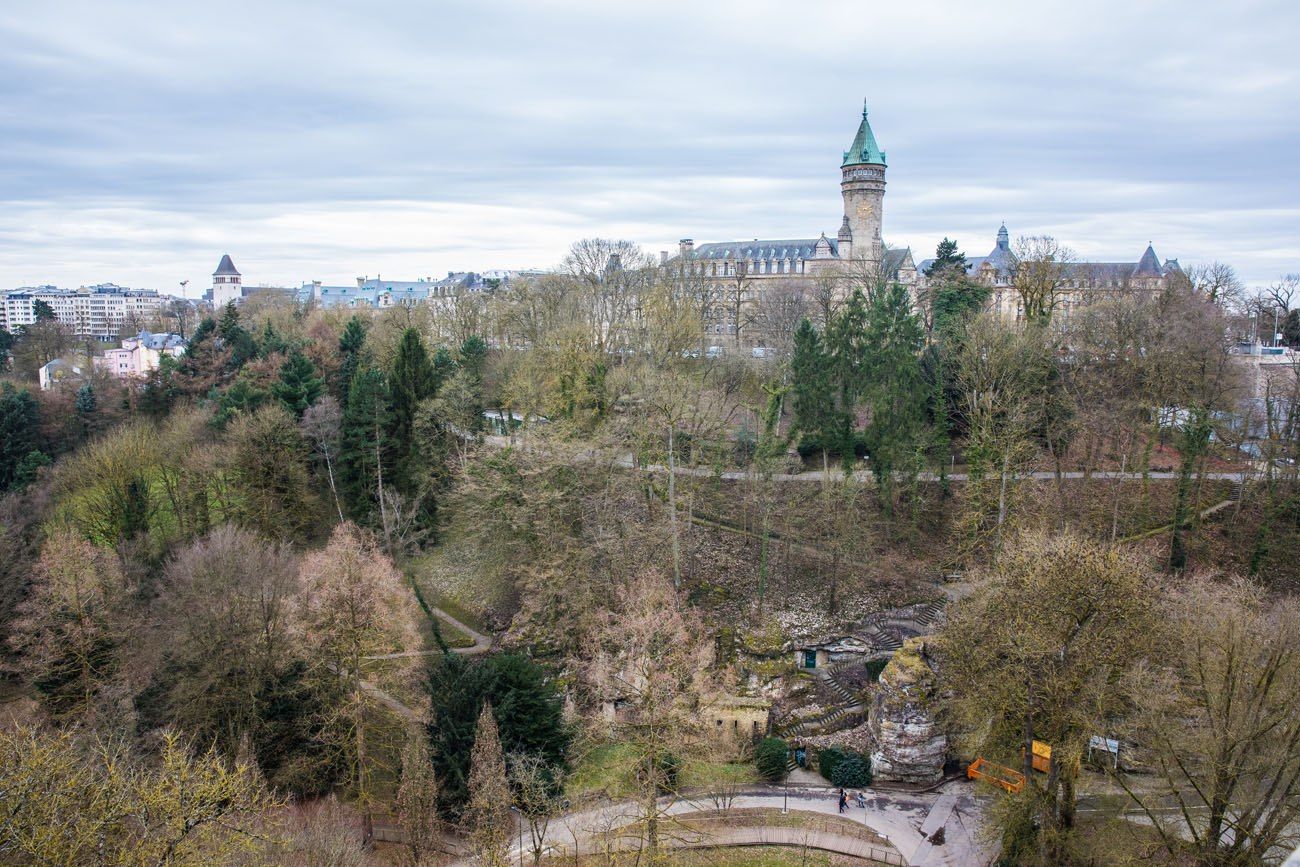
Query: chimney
x,y
663,257
687,246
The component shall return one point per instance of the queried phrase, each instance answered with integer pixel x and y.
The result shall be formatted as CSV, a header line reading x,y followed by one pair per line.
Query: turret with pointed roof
x,y
863,187
227,284
864,150
1149,264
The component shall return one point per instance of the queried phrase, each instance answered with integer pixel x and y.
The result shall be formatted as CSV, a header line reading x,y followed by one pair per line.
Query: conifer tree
x,y
351,346
411,380
846,345
487,818
18,431
416,804
299,386
366,457
893,388
812,392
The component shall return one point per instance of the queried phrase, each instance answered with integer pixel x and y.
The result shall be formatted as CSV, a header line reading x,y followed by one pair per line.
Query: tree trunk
x,y
672,507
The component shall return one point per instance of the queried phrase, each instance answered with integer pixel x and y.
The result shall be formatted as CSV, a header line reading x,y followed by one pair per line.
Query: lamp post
x,y
518,813
785,797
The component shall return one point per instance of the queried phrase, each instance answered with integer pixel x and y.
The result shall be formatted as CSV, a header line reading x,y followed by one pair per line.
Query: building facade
x,y
735,274
103,312
140,355
1080,283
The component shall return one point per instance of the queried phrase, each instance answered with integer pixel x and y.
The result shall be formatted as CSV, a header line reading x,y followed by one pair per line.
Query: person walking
x,y
844,801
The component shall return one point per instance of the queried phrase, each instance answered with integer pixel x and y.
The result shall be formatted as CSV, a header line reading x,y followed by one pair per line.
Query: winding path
x,y
905,819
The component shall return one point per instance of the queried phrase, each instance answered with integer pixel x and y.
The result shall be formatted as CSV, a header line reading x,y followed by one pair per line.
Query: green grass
x,y
608,770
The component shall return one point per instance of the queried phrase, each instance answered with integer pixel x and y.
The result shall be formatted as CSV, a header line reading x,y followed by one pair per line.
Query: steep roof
x,y
1148,265
225,267
864,150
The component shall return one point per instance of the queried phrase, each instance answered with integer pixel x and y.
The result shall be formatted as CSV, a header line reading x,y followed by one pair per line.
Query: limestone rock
x,y
909,745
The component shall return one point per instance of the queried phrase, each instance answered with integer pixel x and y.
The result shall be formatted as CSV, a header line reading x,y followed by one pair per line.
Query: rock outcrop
x,y
909,746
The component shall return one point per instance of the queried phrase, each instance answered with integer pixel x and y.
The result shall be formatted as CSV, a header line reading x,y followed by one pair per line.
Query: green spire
x,y
864,149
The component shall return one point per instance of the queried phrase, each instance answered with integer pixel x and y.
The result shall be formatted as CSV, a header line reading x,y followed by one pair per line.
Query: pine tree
x,y
947,260
299,386
18,431
351,346
411,380
365,462
270,342
847,347
894,388
487,818
86,405
812,392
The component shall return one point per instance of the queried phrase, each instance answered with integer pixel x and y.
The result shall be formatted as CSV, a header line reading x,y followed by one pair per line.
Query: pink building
x,y
140,354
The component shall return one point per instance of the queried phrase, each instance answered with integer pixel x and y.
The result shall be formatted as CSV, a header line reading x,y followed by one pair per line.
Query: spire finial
x,y
864,106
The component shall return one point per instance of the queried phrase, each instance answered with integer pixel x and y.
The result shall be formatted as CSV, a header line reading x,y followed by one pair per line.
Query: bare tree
x,y
1042,268
416,804
321,424
487,818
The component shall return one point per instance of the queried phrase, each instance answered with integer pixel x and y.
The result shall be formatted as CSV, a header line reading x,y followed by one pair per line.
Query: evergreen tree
x,y
270,342
6,344
947,260
893,388
411,380
299,386
86,400
365,461
847,347
242,397
351,347
237,339
19,421
812,390
487,818
43,312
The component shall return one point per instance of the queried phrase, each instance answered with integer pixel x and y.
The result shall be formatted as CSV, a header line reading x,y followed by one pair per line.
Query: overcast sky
x,y
319,140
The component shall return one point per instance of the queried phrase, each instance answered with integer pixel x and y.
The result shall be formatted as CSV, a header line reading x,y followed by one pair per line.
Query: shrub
x,y
828,758
770,757
854,771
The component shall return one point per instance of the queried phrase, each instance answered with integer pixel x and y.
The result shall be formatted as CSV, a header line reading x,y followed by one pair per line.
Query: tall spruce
x,y
365,461
894,390
19,420
298,386
812,390
351,347
411,380
847,347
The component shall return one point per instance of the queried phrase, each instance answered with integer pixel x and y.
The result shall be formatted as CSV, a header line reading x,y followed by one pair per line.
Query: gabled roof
x,y
225,267
864,150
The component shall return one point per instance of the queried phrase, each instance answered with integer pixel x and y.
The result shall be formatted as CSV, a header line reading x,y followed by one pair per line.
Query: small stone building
x,y
737,721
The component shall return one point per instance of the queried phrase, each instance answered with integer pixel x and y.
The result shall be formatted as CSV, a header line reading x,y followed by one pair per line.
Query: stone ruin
x,y
909,745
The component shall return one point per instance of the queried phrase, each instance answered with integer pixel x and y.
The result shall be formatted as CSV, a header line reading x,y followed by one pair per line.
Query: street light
x,y
785,797
518,813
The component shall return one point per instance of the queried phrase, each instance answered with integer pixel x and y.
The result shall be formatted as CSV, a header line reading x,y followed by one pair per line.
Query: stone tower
x,y
227,284
863,186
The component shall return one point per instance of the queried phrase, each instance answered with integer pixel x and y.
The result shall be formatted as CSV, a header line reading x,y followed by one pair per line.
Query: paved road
x,y
899,817
482,643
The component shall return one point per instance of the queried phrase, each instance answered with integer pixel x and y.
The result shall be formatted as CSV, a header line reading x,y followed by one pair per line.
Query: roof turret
x,y
1149,264
864,150
225,267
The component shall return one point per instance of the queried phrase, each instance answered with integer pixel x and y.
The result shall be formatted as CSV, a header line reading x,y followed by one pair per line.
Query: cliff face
x,y
909,747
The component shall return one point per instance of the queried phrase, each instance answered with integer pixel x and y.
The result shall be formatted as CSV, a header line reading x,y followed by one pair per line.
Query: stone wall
x,y
908,744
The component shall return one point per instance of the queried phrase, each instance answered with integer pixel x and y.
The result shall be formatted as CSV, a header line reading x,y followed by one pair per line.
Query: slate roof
x,y
1003,261
802,248
225,267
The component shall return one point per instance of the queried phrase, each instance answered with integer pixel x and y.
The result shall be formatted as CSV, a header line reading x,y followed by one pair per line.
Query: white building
x,y
227,284
102,311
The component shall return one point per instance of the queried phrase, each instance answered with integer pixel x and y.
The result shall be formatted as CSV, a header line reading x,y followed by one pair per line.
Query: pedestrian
x,y
844,800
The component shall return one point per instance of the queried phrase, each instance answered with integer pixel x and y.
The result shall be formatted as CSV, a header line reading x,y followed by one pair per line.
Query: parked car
x,y
714,352
762,352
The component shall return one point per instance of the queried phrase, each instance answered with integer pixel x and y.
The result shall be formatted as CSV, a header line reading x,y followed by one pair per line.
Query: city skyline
x,y
142,143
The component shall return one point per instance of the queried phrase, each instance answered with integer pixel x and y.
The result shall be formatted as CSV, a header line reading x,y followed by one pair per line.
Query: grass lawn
x,y
608,770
